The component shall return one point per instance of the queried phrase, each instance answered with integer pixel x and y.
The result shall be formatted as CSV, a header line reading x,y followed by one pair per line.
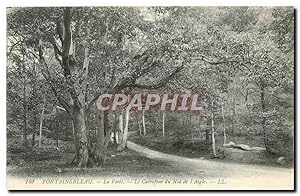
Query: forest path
x,y
235,175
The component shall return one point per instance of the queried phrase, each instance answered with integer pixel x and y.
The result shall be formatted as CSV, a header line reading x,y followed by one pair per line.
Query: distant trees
x,y
22,97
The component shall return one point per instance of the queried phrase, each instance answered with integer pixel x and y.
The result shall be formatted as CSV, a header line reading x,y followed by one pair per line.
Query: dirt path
x,y
236,176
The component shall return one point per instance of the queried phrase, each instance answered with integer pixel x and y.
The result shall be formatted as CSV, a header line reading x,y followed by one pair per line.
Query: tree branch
x,y
207,60
154,86
50,81
67,42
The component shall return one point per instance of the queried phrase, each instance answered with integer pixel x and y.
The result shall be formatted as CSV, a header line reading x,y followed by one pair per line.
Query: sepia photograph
x,y
150,98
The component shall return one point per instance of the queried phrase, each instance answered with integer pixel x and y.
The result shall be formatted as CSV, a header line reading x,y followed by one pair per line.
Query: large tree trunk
x,y
76,88
80,137
123,143
100,148
75,140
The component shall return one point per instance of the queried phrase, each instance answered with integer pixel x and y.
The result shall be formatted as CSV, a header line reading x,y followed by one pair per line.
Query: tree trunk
x,y
81,140
143,121
121,130
76,148
138,123
213,132
263,109
34,127
207,130
224,131
33,140
100,148
233,116
41,124
105,123
123,143
25,141
35,105
115,129
56,132
207,138
163,123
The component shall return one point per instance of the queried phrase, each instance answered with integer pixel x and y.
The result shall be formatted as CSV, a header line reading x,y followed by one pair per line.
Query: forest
x,y
60,60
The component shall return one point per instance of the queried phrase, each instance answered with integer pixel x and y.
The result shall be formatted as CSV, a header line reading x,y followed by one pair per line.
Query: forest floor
x,y
49,162
139,162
